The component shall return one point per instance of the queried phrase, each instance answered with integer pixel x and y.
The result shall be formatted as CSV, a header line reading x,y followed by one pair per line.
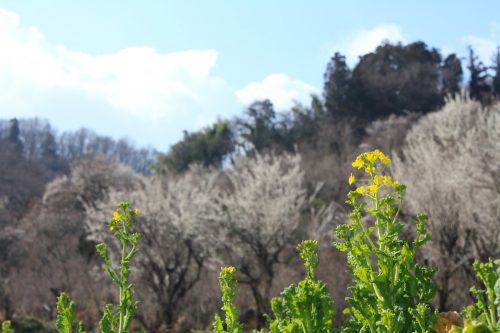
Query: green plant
x,y
472,327
305,307
116,318
6,327
227,281
487,307
390,292
66,317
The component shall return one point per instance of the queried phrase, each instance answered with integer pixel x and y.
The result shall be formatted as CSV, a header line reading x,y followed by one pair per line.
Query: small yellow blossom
x,y
358,163
378,180
361,190
373,188
371,156
384,159
116,216
387,180
137,212
351,179
370,169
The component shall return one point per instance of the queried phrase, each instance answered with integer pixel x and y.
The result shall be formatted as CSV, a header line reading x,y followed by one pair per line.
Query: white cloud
x,y
484,47
138,80
280,89
364,41
137,92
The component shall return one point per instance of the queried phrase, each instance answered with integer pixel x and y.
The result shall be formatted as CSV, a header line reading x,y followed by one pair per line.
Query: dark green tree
x,y
306,120
337,90
208,147
478,85
496,69
48,148
397,78
14,137
260,129
452,74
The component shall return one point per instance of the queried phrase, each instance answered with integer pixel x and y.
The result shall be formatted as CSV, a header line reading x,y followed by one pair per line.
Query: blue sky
x,y
150,69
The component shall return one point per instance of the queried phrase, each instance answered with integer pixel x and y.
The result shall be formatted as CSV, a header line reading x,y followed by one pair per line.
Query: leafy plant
x,y
487,307
305,307
390,292
6,327
474,326
117,318
66,317
227,281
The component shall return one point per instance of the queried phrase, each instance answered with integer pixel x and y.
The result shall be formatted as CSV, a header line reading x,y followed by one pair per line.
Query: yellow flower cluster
x,y
385,180
228,270
116,216
368,159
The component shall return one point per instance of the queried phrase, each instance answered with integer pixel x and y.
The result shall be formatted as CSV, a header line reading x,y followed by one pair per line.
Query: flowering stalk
x,y
227,280
118,321
390,292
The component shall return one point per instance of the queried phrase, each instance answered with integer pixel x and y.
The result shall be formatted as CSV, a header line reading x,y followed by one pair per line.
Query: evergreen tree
x,y
48,149
496,78
14,137
478,86
208,147
452,75
398,78
337,88
261,129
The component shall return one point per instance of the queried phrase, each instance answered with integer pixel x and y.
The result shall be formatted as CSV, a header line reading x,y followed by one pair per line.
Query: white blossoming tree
x,y
267,211
451,164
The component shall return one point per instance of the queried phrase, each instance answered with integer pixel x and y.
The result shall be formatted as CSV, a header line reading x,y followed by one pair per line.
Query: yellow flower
x,y
384,159
358,163
370,169
137,212
116,216
378,180
351,179
387,180
361,190
373,188
371,156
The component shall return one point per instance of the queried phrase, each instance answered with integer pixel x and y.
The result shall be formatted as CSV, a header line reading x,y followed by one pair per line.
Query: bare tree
x,y
451,164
